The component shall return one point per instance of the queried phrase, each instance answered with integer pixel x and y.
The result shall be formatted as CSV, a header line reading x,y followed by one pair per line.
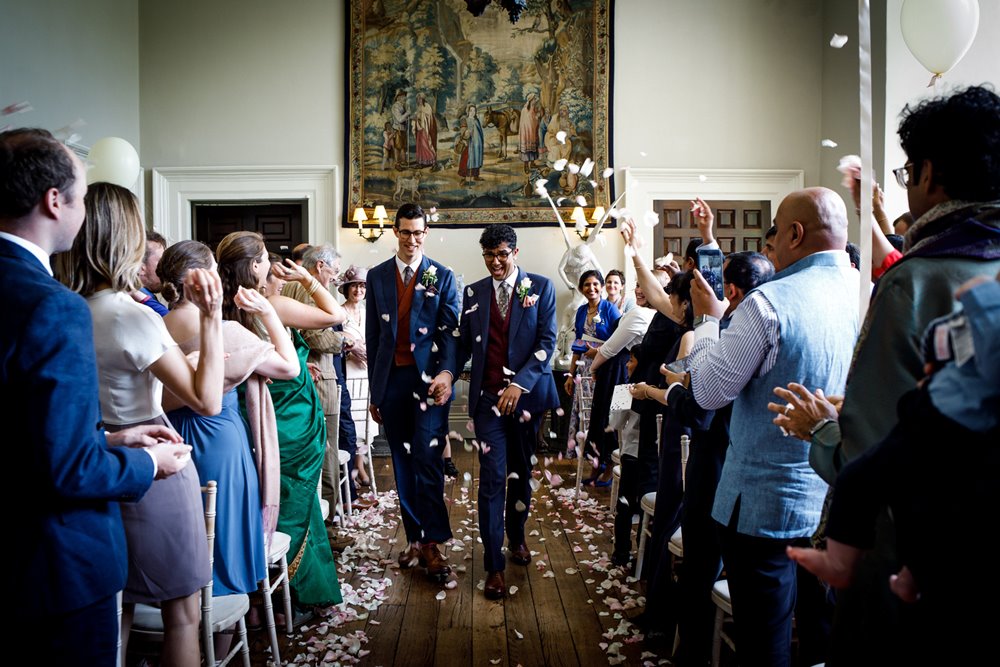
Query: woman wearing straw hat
x,y
356,359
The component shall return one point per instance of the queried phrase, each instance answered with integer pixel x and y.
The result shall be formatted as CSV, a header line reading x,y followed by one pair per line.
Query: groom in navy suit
x,y
509,330
411,331
71,544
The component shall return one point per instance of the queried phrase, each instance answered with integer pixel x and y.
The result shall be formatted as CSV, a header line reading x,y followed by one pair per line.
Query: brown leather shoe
x,y
431,558
409,557
495,588
520,554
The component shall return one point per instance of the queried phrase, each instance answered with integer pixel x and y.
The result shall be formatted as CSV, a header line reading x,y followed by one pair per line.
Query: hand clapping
x,y
203,288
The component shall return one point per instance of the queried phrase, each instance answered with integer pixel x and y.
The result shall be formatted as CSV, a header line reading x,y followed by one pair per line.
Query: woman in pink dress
x,y
527,132
425,127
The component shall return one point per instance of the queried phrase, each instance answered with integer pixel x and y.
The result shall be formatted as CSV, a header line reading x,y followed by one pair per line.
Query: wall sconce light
x,y
370,234
580,217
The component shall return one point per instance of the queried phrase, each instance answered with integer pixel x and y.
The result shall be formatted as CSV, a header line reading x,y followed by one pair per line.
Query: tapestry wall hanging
x,y
466,114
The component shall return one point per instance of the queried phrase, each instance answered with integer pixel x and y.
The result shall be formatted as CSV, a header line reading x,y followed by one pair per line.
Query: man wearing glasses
x,y
509,330
412,333
952,181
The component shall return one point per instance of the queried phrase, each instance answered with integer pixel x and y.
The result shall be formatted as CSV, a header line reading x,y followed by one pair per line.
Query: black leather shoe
x,y
520,554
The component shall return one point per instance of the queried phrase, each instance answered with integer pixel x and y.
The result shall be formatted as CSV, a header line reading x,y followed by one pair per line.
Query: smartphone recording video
x,y
710,266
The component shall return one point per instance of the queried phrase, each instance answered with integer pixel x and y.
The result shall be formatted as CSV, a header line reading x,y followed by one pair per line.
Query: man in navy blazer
x,y
71,544
509,330
411,331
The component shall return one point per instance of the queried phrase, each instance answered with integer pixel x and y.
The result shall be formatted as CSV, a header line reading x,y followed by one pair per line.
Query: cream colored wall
x,y
242,83
72,60
906,82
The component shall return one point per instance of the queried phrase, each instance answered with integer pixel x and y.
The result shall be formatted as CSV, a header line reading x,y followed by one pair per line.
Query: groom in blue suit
x,y
411,331
68,527
509,330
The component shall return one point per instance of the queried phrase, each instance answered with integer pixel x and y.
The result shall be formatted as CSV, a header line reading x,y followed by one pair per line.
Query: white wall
x,y
260,83
906,82
72,60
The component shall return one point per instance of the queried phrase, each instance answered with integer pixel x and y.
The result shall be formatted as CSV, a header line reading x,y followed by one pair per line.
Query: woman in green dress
x,y
244,265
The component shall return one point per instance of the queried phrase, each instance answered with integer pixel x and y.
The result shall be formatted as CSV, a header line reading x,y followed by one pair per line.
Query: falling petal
x,y
413,346
467,480
828,143
525,417
560,412
17,107
479,339
441,595
534,484
517,633
561,136
485,448
456,333
468,446
451,584
419,287
560,164
520,506
468,290
594,184
597,319
534,460
581,200
838,41
496,410
423,406
702,178
426,378
507,371
650,219
587,167
434,347
560,200
406,446
643,153
607,172
513,475
422,330
385,316
433,442
541,355
511,591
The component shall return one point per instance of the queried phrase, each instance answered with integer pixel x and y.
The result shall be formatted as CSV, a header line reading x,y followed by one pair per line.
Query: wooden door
x,y
281,223
739,226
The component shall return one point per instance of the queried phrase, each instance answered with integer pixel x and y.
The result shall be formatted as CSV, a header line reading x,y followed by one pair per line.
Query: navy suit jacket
x,y
433,324
531,330
68,526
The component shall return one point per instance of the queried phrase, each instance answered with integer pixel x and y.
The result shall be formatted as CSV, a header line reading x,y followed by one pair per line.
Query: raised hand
x,y
704,218
203,288
252,301
703,298
290,271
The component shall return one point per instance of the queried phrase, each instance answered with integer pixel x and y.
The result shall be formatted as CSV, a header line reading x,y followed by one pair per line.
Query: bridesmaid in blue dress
x,y
221,448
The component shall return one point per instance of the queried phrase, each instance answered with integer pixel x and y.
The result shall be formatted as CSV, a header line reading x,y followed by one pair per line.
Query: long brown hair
x,y
176,261
236,254
110,245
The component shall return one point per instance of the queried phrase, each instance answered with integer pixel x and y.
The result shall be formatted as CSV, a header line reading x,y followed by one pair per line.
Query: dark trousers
x,y
702,551
86,636
639,475
347,433
509,445
610,374
417,465
763,586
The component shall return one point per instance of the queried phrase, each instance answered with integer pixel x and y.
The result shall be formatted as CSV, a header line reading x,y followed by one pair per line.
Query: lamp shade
x,y
598,214
578,215
380,213
360,215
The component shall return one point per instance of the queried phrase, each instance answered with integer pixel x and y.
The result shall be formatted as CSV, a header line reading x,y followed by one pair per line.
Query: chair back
x,y
360,398
685,450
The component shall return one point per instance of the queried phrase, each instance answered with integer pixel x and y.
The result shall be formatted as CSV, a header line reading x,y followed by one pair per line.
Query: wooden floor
x,y
569,607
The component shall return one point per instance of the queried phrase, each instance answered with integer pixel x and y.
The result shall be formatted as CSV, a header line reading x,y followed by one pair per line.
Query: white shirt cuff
x,y
523,390
156,468
707,329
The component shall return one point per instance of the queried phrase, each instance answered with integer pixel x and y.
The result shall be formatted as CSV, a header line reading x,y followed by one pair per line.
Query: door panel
x,y
739,225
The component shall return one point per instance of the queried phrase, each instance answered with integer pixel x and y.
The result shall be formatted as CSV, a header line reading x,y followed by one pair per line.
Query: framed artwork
x,y
467,113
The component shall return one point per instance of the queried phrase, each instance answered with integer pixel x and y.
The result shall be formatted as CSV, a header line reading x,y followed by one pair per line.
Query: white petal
x,y
385,316
560,200
561,136
702,178
426,378
573,168
541,355
643,153
511,591
838,41
650,219
607,172
507,371
581,200
560,164
441,595
468,290
520,506
517,633
434,347
406,446
433,442
587,167
828,143
479,339
513,475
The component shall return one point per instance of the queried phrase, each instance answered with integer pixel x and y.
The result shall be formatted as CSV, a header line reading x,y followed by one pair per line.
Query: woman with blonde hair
x,y
244,265
136,359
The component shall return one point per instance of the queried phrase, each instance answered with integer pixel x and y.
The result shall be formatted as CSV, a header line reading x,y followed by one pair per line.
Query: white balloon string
x,y
865,96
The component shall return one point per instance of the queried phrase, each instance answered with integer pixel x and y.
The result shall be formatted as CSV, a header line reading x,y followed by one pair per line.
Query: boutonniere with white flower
x,y
429,280
524,293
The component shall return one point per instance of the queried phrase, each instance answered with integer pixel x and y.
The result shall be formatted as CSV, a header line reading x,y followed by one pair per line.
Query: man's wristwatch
x,y
701,319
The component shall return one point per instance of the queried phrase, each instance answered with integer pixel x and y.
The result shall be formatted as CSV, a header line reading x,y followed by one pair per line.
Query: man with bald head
x,y
800,325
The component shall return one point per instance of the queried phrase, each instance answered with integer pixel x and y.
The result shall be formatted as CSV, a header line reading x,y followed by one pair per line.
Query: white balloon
x,y
939,32
113,160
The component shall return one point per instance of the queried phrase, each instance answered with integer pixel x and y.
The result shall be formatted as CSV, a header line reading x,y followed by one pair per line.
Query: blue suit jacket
x,y
69,530
433,324
531,329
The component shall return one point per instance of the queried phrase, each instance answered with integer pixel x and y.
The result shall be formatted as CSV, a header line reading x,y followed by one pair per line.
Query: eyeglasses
x,y
902,174
417,233
502,255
